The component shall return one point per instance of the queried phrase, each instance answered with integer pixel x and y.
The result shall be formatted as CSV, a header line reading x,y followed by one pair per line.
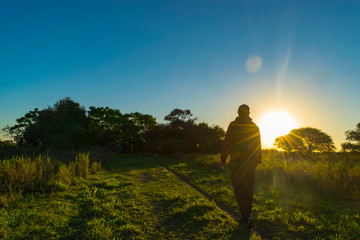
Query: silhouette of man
x,y
242,142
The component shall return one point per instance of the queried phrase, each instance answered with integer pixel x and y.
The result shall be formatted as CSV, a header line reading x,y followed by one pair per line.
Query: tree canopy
x,y
180,117
305,139
68,125
62,126
353,140
183,134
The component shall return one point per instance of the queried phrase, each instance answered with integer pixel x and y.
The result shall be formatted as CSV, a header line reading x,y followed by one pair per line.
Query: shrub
x,y
40,174
82,163
95,167
65,173
23,174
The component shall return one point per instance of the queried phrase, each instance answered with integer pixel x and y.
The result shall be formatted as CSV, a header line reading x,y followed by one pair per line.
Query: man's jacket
x,y
242,142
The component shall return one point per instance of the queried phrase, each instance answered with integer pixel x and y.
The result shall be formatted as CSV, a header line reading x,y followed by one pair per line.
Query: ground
x,y
137,197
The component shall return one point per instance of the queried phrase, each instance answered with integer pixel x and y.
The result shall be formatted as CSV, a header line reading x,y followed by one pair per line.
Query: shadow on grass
x,y
78,223
240,232
190,220
126,163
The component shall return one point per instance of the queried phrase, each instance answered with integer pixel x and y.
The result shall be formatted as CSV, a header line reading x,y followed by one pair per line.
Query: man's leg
x,y
248,192
243,184
240,198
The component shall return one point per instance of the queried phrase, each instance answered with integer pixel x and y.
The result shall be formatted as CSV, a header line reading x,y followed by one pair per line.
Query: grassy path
x,y
204,194
282,210
158,198
133,198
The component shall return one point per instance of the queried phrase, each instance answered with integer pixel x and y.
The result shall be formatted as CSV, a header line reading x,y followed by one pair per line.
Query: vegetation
x,y
136,198
112,129
22,174
67,125
353,140
8,149
327,173
189,197
183,135
287,204
305,139
47,191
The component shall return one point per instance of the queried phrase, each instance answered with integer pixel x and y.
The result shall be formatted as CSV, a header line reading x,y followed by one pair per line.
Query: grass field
x,y
136,197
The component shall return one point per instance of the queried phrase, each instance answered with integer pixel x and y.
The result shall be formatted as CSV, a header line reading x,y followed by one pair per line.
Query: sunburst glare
x,y
275,124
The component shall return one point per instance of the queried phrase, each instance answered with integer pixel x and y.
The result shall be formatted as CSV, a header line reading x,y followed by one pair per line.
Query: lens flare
x,y
275,124
254,64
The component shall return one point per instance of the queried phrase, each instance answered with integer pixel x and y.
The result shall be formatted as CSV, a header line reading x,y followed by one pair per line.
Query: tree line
x,y
68,125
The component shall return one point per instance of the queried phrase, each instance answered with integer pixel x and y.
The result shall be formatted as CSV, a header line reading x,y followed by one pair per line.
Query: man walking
x,y
242,142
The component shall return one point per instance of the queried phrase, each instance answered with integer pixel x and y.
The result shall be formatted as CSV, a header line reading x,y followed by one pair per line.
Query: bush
x,y
82,165
25,174
95,167
66,173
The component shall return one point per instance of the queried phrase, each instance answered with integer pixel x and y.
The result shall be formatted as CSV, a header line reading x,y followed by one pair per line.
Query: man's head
x,y
244,109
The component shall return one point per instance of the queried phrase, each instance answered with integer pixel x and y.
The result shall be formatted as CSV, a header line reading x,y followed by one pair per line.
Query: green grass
x,y
136,197
283,208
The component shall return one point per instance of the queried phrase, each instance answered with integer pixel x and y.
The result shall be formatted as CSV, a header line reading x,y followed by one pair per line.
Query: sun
x,y
275,124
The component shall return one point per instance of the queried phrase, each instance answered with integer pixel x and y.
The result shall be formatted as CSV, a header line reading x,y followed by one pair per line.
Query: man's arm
x,y
225,149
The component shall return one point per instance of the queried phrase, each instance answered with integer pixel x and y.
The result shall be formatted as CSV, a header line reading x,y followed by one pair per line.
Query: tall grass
x,y
82,165
332,173
95,167
21,174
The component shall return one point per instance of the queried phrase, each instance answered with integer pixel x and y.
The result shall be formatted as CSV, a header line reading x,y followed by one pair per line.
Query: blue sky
x,y
153,56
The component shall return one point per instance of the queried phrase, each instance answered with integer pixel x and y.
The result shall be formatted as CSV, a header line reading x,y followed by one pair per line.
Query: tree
x,y
110,128
179,115
182,134
61,126
353,140
209,139
17,131
135,130
105,126
68,125
290,143
305,139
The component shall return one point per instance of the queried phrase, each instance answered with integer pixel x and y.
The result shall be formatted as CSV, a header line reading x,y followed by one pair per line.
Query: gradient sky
x,y
154,56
